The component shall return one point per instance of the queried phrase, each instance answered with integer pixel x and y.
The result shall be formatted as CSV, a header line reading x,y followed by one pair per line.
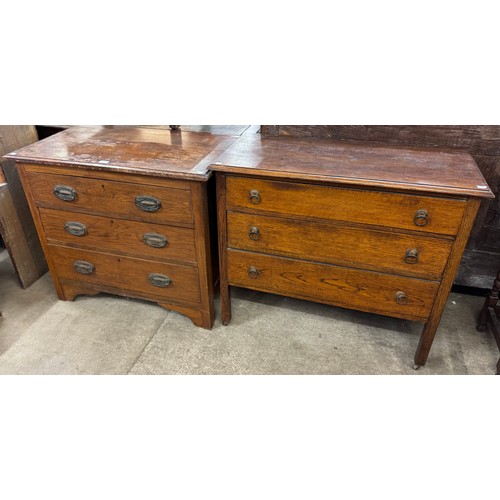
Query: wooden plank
x,y
484,139
15,240
361,206
225,296
28,268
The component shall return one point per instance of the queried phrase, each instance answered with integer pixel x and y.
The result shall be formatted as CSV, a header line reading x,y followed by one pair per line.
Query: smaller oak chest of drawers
x,y
124,210
378,229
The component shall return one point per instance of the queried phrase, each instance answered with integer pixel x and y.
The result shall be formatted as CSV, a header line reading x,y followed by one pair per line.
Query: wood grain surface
x,y
351,288
482,254
112,198
154,152
19,235
377,208
128,274
406,169
120,236
336,244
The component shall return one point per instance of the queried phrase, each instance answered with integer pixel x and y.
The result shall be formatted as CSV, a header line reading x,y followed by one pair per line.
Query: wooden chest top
x,y
164,153
405,169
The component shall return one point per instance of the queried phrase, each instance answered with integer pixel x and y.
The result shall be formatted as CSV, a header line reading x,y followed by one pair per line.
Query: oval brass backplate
x,y
75,228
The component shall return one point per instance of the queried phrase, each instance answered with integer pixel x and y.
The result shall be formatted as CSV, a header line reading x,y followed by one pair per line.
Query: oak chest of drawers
x,y
124,210
378,229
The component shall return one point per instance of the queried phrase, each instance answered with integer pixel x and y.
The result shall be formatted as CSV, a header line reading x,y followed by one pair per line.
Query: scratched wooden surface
x,y
402,168
150,151
481,259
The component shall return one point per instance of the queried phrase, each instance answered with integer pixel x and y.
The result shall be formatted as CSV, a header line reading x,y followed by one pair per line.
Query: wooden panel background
x,y
481,259
17,226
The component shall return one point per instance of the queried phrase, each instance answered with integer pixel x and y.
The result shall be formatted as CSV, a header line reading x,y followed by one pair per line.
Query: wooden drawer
x,y
342,245
379,208
350,288
119,235
127,274
112,198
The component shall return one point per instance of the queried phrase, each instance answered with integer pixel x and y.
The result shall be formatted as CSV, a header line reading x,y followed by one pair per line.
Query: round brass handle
x,y
254,233
401,298
411,256
421,218
253,272
254,196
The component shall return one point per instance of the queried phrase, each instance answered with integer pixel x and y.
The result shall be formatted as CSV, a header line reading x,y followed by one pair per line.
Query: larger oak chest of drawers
x,y
377,229
124,210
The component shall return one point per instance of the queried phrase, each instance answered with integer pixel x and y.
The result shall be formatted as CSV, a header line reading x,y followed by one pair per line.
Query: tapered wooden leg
x,y
425,343
225,297
429,331
225,305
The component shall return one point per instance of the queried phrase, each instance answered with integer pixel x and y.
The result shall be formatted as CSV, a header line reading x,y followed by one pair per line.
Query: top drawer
x,y
161,205
379,208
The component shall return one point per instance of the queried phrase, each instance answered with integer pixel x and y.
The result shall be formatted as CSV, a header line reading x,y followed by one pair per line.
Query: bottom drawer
x,y
407,298
165,281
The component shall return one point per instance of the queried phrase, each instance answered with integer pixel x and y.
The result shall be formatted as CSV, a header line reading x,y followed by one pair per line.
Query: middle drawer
x,y
411,255
119,235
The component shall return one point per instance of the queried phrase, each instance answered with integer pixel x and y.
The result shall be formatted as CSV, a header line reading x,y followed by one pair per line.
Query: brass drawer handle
x,y
75,228
83,267
159,280
411,256
65,193
254,233
147,203
421,218
401,298
253,272
155,240
254,197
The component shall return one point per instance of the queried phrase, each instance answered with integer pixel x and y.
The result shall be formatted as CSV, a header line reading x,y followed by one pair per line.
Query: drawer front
x,y
116,199
129,237
412,255
407,298
162,280
402,211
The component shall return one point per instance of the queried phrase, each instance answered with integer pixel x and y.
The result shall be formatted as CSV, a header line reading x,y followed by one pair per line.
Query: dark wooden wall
x,y
481,259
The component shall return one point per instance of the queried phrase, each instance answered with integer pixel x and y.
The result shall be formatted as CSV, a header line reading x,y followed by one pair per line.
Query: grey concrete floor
x,y
268,335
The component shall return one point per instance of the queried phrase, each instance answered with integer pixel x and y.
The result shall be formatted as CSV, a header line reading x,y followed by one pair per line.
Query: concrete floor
x,y
268,335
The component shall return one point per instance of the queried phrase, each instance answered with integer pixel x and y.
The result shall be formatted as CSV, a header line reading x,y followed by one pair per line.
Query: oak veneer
x,y
125,211
482,254
379,229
